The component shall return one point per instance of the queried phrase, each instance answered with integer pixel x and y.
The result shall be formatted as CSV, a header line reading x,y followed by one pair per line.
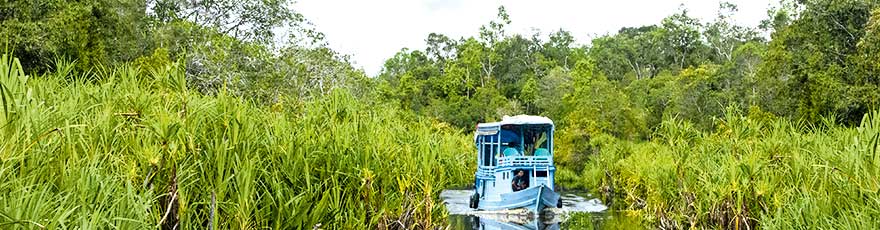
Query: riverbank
x,y
752,172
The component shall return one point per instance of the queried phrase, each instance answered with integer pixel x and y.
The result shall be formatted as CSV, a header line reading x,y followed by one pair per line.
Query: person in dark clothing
x,y
520,181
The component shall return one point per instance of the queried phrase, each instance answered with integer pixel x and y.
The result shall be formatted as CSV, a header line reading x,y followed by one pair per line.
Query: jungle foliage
x,y
653,116
197,114
138,149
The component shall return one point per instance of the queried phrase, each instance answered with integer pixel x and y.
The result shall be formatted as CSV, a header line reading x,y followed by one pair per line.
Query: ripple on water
x,y
457,203
575,203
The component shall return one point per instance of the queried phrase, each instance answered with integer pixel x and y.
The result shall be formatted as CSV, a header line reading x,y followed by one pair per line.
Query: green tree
x,y
809,65
723,35
247,20
529,95
635,51
553,89
681,39
91,32
598,106
441,48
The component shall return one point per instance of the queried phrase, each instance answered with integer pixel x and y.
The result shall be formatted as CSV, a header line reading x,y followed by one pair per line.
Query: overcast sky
x,y
372,31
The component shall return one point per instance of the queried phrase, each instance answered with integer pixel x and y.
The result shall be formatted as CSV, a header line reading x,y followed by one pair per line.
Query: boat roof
x,y
518,120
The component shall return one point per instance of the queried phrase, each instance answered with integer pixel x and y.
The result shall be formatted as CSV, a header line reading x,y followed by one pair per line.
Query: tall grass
x,y
134,149
754,172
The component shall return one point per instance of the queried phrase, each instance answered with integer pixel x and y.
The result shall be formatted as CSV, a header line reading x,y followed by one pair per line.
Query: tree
x,y
598,106
491,40
529,94
553,88
680,36
868,60
631,51
91,32
810,62
698,96
248,20
440,48
724,36
409,76
494,32
470,60
779,17
558,48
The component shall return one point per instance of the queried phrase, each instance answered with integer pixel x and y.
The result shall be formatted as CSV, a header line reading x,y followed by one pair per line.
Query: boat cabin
x,y
513,155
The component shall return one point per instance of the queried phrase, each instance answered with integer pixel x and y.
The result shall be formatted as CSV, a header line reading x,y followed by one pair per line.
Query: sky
x,y
372,31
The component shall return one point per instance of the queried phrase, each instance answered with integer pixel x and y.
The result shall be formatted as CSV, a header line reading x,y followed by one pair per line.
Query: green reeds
x,y
750,173
134,149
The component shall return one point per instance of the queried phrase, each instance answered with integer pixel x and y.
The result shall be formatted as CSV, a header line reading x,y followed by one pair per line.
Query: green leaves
x,y
529,94
92,32
134,150
767,173
12,88
248,20
816,58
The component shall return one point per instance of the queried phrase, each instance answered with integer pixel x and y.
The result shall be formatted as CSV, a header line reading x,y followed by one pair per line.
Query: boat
x,y
515,165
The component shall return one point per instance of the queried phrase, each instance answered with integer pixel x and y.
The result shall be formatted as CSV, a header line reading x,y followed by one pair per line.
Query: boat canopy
x,y
492,128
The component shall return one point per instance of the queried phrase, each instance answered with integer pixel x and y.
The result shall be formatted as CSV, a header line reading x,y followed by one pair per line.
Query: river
x,y
575,205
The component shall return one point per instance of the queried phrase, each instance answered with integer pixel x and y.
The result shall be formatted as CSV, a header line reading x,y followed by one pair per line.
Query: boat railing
x,y
525,161
514,161
485,172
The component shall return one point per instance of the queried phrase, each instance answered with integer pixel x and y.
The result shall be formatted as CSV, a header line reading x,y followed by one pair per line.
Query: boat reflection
x,y
485,223
463,217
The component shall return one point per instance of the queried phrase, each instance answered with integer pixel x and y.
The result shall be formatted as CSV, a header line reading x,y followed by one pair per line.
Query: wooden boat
x,y
515,165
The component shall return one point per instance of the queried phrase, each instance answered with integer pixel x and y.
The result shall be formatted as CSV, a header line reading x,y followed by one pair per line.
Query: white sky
x,y
372,31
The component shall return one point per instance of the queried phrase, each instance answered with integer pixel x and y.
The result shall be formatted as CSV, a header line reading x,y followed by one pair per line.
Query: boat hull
x,y
534,199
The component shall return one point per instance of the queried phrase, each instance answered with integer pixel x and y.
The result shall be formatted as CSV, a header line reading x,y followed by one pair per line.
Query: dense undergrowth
x,y
754,171
128,148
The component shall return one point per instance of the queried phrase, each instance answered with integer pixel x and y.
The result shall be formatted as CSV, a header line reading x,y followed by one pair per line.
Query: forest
x,y
178,114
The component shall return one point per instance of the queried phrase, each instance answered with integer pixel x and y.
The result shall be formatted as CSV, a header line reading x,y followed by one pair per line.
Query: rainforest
x,y
177,114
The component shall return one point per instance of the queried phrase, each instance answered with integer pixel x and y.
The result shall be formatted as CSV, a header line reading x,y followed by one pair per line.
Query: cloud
x,y
372,31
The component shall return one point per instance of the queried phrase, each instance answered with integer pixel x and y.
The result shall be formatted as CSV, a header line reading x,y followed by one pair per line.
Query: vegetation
x,y
137,149
589,221
650,117
754,171
164,113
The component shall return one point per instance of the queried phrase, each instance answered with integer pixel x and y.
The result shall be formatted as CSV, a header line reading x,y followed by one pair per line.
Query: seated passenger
x,y
520,181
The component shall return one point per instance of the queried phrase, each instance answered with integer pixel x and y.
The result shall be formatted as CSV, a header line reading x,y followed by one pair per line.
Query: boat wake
x,y
456,202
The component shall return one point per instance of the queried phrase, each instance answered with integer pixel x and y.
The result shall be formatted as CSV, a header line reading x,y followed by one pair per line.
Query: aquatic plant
x,y
130,148
755,171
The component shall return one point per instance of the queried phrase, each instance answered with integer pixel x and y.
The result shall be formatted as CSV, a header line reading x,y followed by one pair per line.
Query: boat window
x,y
488,149
540,173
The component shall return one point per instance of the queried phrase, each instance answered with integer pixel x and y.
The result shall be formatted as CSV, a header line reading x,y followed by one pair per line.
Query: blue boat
x,y
515,165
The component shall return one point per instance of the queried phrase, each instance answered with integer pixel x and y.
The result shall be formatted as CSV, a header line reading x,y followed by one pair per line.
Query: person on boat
x,y
520,181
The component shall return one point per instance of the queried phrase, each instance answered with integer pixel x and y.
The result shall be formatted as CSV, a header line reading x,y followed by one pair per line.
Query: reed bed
x,y
128,148
754,171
